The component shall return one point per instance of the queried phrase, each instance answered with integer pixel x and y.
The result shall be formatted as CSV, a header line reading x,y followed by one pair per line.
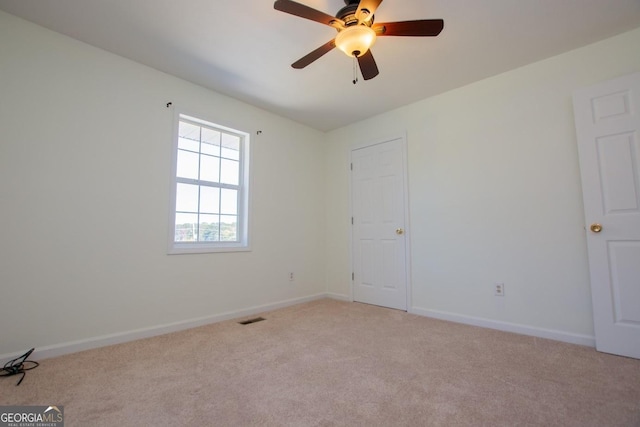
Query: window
x,y
210,188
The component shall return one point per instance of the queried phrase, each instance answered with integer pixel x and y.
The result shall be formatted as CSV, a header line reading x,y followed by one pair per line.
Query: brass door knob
x,y
399,231
596,228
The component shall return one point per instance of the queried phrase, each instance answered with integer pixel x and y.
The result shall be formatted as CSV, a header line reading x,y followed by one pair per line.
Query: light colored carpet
x,y
329,363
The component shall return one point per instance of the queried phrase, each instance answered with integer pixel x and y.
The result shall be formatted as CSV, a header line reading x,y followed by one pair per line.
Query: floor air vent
x,y
250,321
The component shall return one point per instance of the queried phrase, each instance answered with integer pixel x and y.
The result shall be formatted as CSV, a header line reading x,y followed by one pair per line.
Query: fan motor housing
x,y
348,14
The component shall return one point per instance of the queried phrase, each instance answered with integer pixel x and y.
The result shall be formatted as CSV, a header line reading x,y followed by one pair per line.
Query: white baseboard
x,y
136,334
551,334
339,297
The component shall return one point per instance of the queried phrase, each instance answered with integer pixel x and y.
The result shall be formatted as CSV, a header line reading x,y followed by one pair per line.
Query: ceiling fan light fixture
x,y
355,40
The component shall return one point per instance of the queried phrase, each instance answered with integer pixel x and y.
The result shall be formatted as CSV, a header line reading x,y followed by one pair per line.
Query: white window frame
x,y
243,192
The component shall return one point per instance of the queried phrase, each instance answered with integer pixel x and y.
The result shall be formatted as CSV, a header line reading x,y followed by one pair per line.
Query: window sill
x,y
199,248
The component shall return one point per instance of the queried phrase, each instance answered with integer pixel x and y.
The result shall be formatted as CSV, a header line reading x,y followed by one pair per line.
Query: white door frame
x,y
405,181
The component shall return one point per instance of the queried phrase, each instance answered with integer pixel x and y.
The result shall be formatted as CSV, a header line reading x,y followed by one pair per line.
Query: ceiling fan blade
x,y
309,58
419,28
307,12
368,5
368,66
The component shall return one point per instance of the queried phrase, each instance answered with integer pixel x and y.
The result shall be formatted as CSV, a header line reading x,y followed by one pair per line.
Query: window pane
x,y
186,198
210,142
186,227
188,136
209,228
187,166
188,144
210,168
228,228
231,146
209,200
230,172
229,201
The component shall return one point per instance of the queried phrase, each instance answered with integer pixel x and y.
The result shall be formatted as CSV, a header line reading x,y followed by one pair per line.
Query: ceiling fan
x,y
357,31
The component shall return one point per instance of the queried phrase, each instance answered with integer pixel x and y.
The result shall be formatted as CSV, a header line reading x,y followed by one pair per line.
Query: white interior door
x,y
607,120
378,232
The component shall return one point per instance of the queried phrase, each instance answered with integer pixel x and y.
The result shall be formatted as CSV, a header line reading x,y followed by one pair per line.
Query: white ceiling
x,y
244,48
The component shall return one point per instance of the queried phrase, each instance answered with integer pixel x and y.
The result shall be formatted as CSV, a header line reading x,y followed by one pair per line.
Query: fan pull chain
x,y
355,69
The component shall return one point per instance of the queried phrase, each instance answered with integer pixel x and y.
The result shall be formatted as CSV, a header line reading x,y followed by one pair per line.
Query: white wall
x,y
495,195
85,146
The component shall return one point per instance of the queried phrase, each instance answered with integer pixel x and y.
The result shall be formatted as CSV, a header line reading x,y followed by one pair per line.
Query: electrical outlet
x,y
291,276
498,289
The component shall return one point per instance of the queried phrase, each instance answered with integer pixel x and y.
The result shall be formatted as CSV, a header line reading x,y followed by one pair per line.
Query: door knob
x,y
399,231
596,228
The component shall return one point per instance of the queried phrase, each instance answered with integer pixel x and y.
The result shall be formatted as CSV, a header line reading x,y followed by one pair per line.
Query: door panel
x,y
625,271
607,120
619,178
378,207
